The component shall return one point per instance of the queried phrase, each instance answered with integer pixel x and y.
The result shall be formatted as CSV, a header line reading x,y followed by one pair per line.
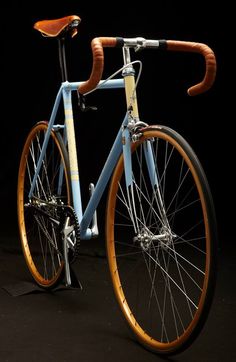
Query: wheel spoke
x,y
158,249
41,237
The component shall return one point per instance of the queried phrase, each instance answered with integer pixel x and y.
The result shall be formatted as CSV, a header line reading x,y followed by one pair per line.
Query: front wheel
x,y
162,250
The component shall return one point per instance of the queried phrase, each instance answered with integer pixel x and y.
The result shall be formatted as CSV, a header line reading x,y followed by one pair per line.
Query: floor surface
x,y
75,325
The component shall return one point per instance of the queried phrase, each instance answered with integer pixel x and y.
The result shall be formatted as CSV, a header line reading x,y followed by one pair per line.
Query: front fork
x,y
131,134
129,137
126,142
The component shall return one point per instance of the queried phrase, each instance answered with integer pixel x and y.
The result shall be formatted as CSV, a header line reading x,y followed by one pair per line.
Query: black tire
x,y
163,273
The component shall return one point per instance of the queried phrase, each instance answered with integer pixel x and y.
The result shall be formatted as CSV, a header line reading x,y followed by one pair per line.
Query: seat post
x,y
62,58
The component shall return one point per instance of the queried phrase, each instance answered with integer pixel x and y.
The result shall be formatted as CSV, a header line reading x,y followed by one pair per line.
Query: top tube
x,y
103,84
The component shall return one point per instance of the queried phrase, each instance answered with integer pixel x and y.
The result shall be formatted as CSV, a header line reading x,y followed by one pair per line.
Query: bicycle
x,y
160,219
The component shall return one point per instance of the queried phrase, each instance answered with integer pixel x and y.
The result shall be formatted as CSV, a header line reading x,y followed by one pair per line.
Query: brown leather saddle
x,y
58,27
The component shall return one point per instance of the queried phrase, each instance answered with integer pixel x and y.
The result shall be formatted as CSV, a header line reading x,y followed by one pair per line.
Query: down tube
x,y
108,168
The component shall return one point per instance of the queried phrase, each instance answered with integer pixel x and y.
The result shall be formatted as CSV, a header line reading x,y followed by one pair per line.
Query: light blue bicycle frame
x,y
65,91
85,218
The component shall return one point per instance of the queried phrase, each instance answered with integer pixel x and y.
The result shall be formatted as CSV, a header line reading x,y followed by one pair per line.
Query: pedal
x,y
67,264
94,226
71,280
74,282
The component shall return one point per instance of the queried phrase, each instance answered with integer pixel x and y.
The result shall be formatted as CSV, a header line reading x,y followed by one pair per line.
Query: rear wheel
x,y
39,217
162,254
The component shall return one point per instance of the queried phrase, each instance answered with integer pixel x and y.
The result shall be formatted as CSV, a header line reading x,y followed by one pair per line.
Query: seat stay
x,y
46,139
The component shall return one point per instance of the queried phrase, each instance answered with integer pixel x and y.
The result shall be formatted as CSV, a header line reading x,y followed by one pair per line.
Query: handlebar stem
x,y
126,55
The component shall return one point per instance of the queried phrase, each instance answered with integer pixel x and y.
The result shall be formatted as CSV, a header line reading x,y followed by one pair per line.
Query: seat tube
x,y
74,171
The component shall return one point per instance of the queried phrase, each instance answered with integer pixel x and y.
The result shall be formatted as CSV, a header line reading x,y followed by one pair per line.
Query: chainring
x,y
59,214
69,212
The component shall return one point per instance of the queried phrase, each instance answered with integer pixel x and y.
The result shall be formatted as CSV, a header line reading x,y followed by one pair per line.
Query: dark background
x,y
30,79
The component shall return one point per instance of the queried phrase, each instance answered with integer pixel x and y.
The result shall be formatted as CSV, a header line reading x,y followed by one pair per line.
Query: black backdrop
x,y
29,80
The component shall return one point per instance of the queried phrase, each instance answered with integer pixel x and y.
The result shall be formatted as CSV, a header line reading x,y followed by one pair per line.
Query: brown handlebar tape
x,y
97,46
210,62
